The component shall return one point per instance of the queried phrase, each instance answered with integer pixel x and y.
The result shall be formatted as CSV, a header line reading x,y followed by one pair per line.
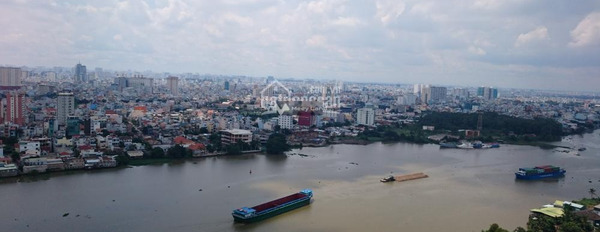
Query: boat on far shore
x,y
469,145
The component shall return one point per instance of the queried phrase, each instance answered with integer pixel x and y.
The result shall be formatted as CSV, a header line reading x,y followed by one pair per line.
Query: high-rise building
x,y
141,83
285,121
121,83
430,94
80,74
407,99
226,85
438,94
173,84
461,93
418,89
10,77
65,107
14,108
270,79
487,93
306,118
365,116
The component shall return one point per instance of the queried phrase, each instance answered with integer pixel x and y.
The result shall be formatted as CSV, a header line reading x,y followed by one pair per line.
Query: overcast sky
x,y
505,43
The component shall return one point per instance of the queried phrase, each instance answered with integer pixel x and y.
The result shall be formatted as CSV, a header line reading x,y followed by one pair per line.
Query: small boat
x,y
388,179
448,145
272,208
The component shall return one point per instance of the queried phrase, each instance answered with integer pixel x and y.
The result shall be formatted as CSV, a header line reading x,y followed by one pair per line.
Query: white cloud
x,y
476,50
389,10
587,31
242,21
316,41
539,33
347,21
340,39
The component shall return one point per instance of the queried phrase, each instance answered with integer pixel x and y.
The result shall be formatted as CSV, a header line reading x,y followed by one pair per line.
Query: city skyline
x,y
508,44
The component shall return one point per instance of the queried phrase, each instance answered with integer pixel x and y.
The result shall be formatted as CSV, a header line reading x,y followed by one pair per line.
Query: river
x,y
467,190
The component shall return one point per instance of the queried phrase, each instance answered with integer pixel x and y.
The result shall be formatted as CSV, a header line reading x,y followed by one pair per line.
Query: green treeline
x,y
569,222
495,124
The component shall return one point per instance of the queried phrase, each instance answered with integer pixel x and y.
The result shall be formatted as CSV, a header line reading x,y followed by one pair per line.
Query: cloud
x,y
347,21
316,41
476,50
540,33
472,41
587,31
389,10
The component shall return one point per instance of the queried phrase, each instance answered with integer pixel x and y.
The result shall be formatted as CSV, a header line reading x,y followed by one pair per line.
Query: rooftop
x,y
237,132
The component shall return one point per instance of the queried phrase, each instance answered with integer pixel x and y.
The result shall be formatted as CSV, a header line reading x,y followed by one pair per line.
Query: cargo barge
x,y
272,208
540,172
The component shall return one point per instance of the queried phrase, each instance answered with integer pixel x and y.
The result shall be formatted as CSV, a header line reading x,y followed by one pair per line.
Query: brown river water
x,y
467,190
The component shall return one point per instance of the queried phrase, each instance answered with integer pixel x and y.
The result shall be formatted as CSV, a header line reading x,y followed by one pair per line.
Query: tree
x,y
391,136
570,227
177,152
157,152
495,228
203,130
122,159
277,144
233,149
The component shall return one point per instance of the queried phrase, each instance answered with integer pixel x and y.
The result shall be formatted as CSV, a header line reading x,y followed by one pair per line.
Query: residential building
x,y
14,109
365,116
235,135
173,85
141,83
65,107
306,118
285,121
487,93
433,94
10,77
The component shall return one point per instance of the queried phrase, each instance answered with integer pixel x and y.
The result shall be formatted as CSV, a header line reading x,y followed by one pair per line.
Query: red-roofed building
x,y
182,141
306,118
85,148
141,108
198,149
6,160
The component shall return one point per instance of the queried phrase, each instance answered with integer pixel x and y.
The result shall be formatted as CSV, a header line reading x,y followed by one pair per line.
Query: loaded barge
x,y
539,172
272,208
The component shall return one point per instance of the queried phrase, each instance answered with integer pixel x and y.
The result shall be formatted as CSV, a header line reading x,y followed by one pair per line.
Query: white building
x,y
29,145
285,121
233,136
365,116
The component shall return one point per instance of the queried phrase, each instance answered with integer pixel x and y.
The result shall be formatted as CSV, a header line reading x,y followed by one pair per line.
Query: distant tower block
x,y
173,85
480,121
